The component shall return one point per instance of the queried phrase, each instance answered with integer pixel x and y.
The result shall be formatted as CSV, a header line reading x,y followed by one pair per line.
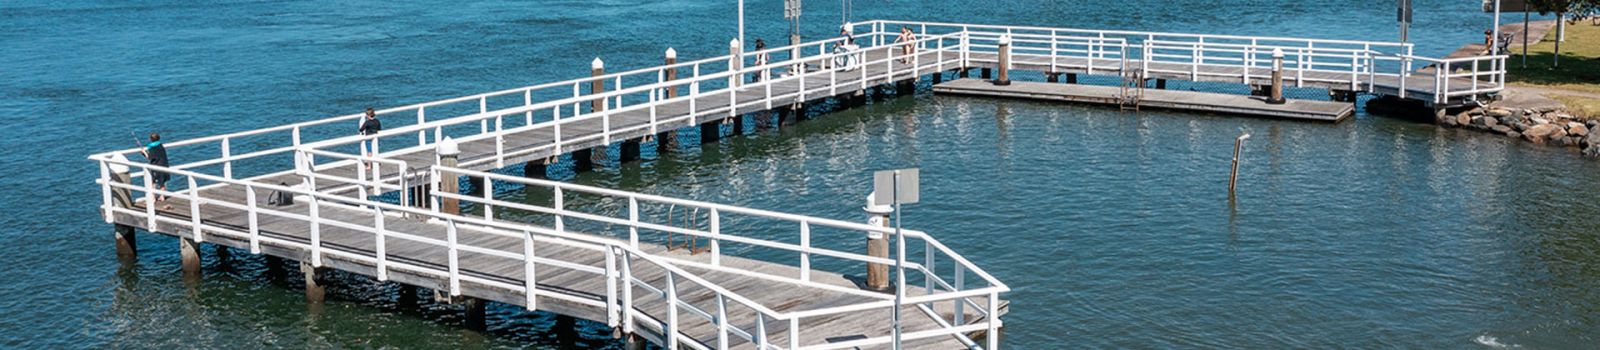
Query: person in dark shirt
x,y
157,154
370,126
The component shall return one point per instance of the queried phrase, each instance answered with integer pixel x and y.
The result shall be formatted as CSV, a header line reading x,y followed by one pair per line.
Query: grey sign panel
x,y
883,186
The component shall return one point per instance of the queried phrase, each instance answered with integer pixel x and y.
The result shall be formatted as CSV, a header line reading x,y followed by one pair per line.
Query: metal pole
x,y
1494,41
1525,18
741,23
899,262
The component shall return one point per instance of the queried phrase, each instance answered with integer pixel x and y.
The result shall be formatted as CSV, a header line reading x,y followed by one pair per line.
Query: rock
x,y
1540,120
1577,129
1594,139
1502,129
1514,134
1490,122
1558,135
1539,133
1464,119
1449,121
1519,126
1592,151
1500,112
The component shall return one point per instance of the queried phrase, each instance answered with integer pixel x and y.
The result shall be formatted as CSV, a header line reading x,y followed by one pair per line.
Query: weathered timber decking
x,y
1153,98
783,297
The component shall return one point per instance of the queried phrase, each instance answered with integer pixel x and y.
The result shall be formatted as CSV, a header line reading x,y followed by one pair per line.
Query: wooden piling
x,y
449,156
316,290
127,245
1004,64
1276,96
189,256
598,86
878,245
629,151
583,160
537,169
671,73
476,312
710,132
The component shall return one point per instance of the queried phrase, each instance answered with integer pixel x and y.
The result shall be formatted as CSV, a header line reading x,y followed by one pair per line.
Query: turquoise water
x,y
1113,228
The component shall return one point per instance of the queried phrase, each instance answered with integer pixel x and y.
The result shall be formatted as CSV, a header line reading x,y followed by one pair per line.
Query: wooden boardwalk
x,y
577,270
338,241
786,297
1152,98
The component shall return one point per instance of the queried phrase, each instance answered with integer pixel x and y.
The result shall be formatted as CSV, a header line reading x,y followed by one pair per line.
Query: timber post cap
x,y
733,43
1005,39
1277,53
671,53
118,165
449,148
597,64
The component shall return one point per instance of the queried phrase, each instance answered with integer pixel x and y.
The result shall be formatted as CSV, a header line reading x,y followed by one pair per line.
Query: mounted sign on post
x,y
898,187
885,187
1404,17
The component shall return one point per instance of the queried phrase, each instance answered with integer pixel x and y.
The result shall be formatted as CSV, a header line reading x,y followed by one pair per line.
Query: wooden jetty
x,y
396,212
1162,99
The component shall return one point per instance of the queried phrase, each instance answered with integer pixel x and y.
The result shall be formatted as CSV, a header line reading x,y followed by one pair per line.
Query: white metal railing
x,y
799,244
620,255
1350,64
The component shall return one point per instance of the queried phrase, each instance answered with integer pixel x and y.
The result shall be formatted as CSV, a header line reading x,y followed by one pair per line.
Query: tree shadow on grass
x,y
1540,69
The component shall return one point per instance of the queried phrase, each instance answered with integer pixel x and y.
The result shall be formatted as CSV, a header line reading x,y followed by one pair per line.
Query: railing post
x,y
805,251
612,305
672,311
483,108
422,135
722,322
960,319
527,101
194,209
454,262
627,292
316,231
633,222
561,211
794,333
531,277
488,196
761,331
994,322
716,238
598,86
380,245
254,223
227,163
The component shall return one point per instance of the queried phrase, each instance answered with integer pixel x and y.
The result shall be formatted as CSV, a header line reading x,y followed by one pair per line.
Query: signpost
x,y
899,186
1404,16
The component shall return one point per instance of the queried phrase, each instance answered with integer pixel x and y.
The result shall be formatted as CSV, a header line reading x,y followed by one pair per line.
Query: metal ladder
x,y
1132,89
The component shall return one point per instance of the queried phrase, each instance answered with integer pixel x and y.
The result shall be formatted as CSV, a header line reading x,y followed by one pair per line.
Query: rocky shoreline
x,y
1548,126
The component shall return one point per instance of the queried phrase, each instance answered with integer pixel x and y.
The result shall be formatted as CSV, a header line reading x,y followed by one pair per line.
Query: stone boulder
x,y
1500,112
1594,144
1540,133
1539,120
1490,122
1464,119
1558,136
1577,129
1502,129
1514,134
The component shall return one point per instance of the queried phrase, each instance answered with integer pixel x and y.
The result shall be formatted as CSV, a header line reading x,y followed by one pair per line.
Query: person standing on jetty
x,y
157,154
762,59
369,127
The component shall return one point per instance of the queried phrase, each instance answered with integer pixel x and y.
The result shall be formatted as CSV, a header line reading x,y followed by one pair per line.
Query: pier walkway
x,y
766,280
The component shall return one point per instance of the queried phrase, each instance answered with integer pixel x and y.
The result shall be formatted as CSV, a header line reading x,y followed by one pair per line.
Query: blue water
x,y
1113,228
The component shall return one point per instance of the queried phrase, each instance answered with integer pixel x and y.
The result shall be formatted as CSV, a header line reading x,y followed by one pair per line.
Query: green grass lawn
x,y
1580,61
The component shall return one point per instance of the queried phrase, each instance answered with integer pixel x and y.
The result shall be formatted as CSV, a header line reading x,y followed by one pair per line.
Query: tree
x,y
1561,8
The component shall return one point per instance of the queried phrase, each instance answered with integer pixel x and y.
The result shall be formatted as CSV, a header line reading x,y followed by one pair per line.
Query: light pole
x,y
741,25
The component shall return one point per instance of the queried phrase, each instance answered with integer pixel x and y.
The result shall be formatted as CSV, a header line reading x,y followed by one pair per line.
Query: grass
x,y
1579,71
1588,108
